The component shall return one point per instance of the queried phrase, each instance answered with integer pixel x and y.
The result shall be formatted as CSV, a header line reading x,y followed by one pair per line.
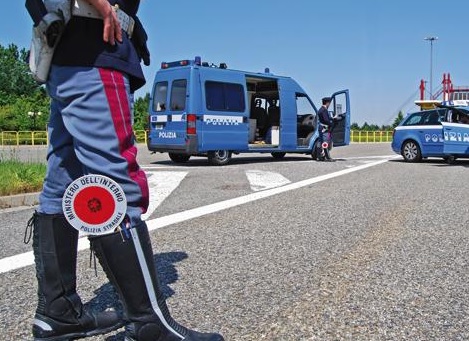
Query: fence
x,y
34,138
37,138
359,136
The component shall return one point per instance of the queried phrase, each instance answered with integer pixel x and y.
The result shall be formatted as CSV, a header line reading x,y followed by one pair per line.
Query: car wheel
x,y
179,158
278,155
219,157
411,151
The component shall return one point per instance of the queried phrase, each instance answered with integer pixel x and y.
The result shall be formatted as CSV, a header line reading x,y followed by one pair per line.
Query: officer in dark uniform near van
x,y
95,71
325,124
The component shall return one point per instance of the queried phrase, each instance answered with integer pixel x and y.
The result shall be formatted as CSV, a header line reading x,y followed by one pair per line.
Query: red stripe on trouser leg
x,y
117,97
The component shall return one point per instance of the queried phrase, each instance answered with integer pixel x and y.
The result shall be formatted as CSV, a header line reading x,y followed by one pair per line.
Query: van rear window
x,y
221,96
160,95
178,95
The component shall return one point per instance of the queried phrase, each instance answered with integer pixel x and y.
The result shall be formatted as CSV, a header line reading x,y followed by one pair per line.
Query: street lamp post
x,y
431,40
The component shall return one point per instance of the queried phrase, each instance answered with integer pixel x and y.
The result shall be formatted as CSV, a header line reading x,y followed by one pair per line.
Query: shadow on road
x,y
106,297
436,162
201,161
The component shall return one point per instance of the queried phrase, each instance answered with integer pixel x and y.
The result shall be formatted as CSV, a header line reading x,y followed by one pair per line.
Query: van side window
x,y
159,97
305,116
178,95
221,96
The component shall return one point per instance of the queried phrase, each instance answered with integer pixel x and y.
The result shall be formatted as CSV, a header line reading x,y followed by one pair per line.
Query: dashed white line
x,y
18,261
262,180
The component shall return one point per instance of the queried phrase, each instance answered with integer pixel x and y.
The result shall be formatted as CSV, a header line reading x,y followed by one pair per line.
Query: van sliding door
x,y
225,111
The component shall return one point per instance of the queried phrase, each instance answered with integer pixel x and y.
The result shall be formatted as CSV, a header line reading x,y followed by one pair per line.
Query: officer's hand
x,y
112,29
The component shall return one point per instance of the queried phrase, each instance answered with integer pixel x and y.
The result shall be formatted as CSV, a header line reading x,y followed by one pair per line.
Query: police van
x,y
202,109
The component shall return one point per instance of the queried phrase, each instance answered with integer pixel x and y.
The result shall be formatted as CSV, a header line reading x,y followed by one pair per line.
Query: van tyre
x,y
179,158
278,155
314,151
411,151
219,157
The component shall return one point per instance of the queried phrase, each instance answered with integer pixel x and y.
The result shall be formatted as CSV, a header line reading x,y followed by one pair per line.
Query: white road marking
x,y
18,261
161,185
392,156
262,180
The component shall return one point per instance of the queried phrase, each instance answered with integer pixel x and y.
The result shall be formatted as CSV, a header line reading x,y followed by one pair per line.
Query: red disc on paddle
x,y
94,205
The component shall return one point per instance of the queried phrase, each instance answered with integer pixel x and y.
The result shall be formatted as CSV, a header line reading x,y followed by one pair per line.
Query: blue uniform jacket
x,y
82,45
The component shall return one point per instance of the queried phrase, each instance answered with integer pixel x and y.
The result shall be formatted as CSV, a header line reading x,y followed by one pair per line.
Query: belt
x,y
82,8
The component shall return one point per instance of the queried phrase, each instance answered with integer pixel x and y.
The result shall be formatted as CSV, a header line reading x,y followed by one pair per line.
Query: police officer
x,y
95,70
325,125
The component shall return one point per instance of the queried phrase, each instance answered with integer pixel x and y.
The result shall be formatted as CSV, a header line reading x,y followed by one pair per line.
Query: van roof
x,y
198,63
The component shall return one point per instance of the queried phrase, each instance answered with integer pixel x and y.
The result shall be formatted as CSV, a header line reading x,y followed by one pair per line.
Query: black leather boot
x,y
60,314
129,265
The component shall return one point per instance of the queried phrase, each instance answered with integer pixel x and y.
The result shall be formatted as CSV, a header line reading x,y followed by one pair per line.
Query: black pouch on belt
x,y
139,39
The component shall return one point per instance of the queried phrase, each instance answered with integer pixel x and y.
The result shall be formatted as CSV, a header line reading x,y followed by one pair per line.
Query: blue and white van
x,y
197,109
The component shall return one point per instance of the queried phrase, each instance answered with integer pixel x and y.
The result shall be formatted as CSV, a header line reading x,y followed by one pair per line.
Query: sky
x,y
374,48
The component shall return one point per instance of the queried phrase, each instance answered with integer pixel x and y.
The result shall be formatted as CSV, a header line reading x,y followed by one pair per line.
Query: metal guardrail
x,y
19,138
38,138
35,138
361,136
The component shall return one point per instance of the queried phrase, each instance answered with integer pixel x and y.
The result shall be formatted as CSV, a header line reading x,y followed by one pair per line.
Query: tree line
x,y
24,104
374,127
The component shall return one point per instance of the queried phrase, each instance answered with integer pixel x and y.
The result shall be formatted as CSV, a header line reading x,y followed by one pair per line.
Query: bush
x,y
18,177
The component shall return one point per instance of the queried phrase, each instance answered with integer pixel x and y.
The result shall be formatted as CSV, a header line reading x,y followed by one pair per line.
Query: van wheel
x,y
179,158
449,159
278,155
411,151
219,157
314,152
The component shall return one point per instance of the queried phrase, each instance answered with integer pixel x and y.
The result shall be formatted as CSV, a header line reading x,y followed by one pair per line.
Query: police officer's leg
x,y
105,145
319,149
327,151
60,313
129,264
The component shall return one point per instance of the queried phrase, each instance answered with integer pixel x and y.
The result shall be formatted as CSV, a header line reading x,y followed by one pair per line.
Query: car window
x,y
431,118
414,119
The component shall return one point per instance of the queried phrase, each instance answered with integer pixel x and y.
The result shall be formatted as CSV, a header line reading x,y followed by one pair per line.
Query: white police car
x,y
420,135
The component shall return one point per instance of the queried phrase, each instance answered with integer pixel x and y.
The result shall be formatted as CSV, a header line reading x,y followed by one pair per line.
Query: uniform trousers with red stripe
x,y
90,132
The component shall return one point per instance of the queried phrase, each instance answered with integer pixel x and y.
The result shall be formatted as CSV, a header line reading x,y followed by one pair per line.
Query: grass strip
x,y
19,177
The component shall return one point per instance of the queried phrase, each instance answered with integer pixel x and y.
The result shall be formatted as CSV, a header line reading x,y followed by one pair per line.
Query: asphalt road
x,y
357,249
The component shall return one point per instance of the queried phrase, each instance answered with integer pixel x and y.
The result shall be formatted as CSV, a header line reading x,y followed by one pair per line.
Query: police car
x,y
456,134
420,134
202,109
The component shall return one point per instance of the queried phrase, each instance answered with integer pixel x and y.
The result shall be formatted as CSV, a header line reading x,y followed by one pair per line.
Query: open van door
x,y
340,106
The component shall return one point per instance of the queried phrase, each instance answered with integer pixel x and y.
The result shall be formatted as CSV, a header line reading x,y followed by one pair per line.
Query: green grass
x,y
19,177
